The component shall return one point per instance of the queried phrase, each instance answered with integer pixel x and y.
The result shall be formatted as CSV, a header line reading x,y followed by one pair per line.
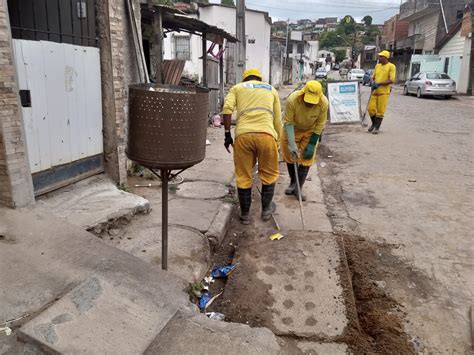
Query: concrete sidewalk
x,y
200,207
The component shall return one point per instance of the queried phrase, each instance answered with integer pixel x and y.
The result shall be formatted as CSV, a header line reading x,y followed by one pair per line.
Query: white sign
x,y
296,36
344,104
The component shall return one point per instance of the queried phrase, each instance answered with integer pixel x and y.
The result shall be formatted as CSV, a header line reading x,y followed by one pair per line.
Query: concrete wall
x,y
16,188
119,69
256,27
458,50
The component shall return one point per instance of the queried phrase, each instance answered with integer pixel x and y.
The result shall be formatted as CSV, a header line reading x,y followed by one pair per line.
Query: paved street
x,y
412,186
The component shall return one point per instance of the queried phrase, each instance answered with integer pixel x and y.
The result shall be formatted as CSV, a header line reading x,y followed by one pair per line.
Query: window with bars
x,y
182,45
62,21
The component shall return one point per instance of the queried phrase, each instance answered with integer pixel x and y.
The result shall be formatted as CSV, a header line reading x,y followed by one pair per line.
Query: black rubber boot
x,y
302,174
371,128
245,200
378,123
268,206
290,190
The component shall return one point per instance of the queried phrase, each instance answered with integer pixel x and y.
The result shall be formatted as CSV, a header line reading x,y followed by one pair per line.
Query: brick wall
x,y
15,178
124,72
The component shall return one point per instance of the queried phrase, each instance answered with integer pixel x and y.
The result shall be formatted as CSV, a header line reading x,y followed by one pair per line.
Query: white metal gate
x,y
63,112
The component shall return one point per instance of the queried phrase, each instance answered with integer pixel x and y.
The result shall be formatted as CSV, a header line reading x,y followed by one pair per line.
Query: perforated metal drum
x,y
167,125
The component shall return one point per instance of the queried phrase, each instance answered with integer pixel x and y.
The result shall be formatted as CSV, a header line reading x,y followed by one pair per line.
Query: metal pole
x,y
204,60
241,45
158,46
287,40
164,219
221,76
444,16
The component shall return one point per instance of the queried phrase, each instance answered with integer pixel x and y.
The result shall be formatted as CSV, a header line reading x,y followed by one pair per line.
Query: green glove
x,y
290,133
309,150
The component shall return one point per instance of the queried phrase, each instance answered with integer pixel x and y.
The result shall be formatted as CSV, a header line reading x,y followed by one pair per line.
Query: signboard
x,y
344,102
296,35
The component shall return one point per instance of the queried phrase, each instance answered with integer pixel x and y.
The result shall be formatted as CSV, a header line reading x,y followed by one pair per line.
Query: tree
x,y
340,55
228,2
367,20
348,25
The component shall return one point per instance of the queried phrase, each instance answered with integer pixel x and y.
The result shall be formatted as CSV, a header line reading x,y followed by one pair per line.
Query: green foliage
x,y
346,30
367,20
228,2
340,55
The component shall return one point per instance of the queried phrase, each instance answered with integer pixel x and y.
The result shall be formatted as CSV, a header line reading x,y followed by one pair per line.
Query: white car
x,y
356,74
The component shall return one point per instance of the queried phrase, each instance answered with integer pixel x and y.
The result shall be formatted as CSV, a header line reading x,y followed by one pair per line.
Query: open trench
x,y
375,319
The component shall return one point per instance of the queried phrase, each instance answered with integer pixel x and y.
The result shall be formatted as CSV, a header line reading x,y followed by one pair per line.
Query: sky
x,y
380,10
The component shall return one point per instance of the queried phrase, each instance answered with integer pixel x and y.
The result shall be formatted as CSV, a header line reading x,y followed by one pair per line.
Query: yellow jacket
x,y
306,118
258,108
384,72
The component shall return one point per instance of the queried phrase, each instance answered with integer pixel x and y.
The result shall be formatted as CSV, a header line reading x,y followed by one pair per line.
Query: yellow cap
x,y
252,72
313,92
385,54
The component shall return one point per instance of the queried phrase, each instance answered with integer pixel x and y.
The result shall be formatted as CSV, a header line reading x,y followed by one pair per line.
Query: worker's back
x,y
257,105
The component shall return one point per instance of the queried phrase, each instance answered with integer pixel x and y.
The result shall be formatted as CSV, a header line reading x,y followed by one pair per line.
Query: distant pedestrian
x,y
383,78
305,118
257,137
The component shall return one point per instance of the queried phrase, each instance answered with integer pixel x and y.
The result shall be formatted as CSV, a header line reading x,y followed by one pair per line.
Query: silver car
x,y
430,84
356,74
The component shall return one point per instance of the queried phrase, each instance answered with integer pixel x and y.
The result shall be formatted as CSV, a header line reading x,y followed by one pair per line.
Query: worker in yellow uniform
x,y
305,117
257,137
383,78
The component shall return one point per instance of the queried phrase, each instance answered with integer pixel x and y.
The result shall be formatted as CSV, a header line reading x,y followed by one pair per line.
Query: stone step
x,y
97,317
200,335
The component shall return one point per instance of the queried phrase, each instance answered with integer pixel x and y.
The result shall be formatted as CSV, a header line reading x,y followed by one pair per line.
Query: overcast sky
x,y
380,10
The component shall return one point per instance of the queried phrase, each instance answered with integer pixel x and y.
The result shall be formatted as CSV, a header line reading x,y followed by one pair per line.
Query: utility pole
x,y
287,41
241,45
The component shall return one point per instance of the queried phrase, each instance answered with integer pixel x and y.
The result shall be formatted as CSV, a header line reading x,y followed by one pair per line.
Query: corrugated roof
x,y
176,20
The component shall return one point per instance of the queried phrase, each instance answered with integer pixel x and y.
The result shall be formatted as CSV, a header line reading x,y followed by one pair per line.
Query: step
x,y
98,317
45,257
200,335
292,286
93,204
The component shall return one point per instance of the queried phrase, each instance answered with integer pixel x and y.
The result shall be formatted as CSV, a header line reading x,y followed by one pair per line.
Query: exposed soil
x,y
376,319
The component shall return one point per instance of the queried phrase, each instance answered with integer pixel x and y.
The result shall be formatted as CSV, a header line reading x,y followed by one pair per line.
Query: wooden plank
x,y
77,144
39,141
93,109
27,112
56,102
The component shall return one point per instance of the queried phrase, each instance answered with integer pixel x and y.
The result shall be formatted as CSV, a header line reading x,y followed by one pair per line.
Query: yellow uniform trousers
x,y
250,148
302,139
378,105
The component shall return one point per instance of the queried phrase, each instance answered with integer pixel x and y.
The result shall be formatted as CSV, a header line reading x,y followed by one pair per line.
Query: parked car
x,y
356,74
367,79
430,84
321,73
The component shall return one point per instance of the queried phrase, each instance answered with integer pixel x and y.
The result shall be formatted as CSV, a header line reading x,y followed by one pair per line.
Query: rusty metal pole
x,y
164,219
158,45
204,60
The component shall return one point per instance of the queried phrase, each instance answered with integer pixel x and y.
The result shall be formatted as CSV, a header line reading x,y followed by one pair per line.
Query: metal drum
x,y
167,125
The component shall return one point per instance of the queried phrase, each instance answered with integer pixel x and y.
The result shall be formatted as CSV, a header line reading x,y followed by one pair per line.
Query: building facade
x,y
65,74
257,31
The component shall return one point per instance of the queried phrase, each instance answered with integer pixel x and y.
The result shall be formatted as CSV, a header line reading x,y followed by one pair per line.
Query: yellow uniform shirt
x,y
384,72
258,108
306,118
